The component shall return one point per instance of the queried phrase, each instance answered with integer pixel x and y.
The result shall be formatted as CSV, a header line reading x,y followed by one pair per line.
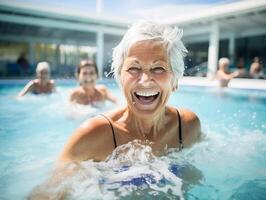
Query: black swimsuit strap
x,y
180,131
179,128
111,128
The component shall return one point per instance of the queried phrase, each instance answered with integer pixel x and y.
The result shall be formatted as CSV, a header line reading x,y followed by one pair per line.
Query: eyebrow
x,y
136,61
159,61
133,60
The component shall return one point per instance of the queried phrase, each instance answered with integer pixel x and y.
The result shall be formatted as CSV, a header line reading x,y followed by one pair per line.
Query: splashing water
x,y
131,171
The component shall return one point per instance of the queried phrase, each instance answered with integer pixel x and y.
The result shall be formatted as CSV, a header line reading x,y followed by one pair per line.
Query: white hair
x,y
42,66
170,37
223,61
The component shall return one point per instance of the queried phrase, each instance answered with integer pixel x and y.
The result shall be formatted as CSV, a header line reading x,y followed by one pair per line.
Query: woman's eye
x,y
158,70
133,70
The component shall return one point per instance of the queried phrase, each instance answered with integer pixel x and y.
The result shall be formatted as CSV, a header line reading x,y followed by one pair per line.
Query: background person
x,y
256,68
242,72
43,84
23,63
89,92
223,74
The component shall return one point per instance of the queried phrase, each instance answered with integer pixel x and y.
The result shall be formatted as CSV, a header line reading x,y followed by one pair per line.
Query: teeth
x,y
147,94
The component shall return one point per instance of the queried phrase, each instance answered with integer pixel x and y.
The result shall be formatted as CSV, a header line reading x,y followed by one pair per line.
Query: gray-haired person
x,y
223,75
147,64
43,84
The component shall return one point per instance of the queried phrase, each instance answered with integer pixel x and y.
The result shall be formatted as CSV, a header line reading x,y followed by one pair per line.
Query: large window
x,y
9,54
196,60
250,47
63,58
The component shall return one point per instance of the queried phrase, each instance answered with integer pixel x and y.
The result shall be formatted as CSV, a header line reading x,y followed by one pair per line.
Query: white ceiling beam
x,y
196,30
252,32
214,13
45,22
60,13
30,39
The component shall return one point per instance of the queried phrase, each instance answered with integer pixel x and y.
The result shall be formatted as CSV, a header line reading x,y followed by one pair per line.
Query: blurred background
x,y
64,32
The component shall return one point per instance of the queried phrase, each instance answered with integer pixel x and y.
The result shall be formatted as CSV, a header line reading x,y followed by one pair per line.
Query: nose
x,y
144,77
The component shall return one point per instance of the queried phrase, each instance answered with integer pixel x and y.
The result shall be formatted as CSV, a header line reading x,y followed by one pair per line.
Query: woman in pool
x,y
147,64
89,92
43,84
223,75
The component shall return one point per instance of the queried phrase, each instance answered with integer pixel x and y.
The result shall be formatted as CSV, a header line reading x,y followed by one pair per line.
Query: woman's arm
x,y
56,187
111,97
226,76
191,127
107,94
92,140
53,85
28,88
72,97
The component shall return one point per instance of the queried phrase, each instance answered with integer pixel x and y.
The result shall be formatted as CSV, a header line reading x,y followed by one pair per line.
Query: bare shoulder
x,y
191,127
92,140
107,94
52,82
27,88
101,88
35,81
220,73
115,114
189,116
74,93
31,84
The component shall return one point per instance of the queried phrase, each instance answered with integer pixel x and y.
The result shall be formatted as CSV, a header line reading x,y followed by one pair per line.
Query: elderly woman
x,y
223,75
147,64
41,85
89,92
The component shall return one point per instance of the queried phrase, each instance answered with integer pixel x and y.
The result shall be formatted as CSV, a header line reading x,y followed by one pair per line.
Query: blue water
x,y
229,162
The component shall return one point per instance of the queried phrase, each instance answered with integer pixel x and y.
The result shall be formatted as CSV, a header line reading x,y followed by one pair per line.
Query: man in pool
x,y
43,84
147,64
89,92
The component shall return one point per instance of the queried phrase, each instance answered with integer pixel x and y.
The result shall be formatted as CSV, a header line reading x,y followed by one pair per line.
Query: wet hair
x,y
169,36
223,61
256,59
87,63
42,66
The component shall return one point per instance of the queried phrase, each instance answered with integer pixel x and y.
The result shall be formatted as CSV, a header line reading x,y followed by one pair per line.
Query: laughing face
x,y
87,76
146,77
44,75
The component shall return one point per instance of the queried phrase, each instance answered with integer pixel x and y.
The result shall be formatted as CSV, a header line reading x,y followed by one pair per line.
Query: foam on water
x,y
131,171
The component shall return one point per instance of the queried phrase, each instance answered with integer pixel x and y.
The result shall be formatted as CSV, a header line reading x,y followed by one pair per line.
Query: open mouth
x,y
146,97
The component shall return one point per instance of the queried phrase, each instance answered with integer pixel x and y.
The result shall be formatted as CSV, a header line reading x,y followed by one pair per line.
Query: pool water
x,y
229,162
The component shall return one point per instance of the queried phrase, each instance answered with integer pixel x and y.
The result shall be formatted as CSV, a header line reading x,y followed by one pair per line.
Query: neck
x,y
148,127
88,89
43,81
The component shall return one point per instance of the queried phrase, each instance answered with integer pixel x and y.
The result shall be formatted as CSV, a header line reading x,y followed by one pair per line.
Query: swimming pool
x,y
229,163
